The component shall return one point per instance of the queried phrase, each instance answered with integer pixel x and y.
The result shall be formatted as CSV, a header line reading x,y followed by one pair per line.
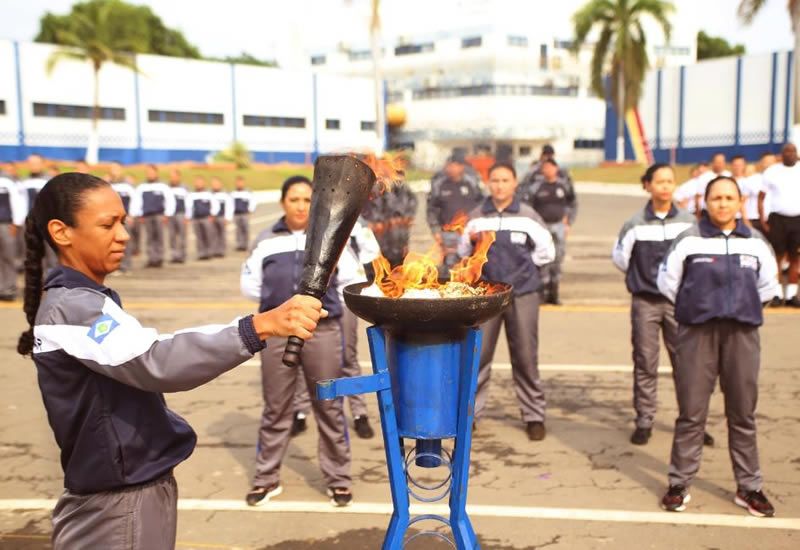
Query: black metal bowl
x,y
426,315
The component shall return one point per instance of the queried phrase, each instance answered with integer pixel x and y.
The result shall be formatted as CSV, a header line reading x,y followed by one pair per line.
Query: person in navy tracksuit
x,y
101,373
271,273
178,221
12,216
720,274
523,244
157,206
244,204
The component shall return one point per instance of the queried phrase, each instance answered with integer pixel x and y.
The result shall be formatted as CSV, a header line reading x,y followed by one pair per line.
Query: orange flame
x,y
458,223
420,271
388,169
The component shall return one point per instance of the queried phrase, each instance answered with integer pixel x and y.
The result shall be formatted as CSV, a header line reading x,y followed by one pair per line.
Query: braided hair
x,y
60,199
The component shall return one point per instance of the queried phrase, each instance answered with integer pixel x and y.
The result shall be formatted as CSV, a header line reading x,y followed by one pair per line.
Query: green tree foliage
x,y
709,47
126,23
237,153
245,58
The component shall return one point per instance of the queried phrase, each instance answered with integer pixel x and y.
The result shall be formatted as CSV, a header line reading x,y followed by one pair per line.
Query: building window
x,y
543,56
524,150
587,144
359,55
185,118
563,44
672,50
368,125
518,41
318,60
409,49
2,106
274,121
471,42
76,111
495,89
333,124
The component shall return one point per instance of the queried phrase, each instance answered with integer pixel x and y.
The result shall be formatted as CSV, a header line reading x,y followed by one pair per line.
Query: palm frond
x,y
599,60
62,54
748,9
592,13
659,10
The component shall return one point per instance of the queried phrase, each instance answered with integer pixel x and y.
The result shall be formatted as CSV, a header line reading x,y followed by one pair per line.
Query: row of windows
x,y
588,144
2,106
186,117
75,111
495,89
673,50
275,121
408,49
471,42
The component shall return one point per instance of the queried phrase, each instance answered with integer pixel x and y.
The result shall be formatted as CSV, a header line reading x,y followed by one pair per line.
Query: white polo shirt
x,y
751,186
782,186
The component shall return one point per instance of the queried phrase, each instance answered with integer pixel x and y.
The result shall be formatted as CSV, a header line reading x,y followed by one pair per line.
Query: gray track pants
x,y
8,255
552,272
135,244
358,406
154,229
731,351
242,222
220,242
521,320
177,237
320,360
650,316
143,517
204,237
127,259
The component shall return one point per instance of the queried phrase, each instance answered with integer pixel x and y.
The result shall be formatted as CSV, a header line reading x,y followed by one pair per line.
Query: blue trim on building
x,y
737,117
233,103
773,97
681,103
138,114
315,116
689,155
788,98
659,74
136,155
20,111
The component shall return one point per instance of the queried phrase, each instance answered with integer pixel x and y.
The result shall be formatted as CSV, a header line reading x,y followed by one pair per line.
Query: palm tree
x,y
748,9
377,76
92,36
621,49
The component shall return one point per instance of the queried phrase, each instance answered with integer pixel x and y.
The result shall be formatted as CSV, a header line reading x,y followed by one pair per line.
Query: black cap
x,y
548,150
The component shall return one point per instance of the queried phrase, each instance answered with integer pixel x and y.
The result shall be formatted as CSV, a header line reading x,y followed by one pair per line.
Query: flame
x,y
420,271
388,169
458,223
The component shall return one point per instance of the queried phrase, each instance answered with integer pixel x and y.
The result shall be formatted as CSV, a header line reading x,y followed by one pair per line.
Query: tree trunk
x,y
377,77
93,145
620,114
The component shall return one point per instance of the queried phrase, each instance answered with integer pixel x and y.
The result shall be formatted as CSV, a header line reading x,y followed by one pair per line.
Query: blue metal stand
x,y
426,392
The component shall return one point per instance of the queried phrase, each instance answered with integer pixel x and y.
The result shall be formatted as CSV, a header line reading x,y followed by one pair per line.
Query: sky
x,y
287,30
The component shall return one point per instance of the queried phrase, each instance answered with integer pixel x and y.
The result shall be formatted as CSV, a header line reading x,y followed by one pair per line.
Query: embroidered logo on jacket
x,y
749,262
102,327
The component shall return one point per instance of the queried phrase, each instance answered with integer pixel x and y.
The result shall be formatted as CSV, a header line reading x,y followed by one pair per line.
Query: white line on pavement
x,y
366,366
477,510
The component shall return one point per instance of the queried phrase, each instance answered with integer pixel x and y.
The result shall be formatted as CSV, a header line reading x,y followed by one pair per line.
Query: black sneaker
x,y
755,502
776,302
641,436
794,302
298,425
340,496
261,495
708,439
676,499
363,429
536,431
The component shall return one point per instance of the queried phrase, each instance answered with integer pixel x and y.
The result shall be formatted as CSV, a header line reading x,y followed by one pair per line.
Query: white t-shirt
x,y
686,192
702,182
782,186
751,186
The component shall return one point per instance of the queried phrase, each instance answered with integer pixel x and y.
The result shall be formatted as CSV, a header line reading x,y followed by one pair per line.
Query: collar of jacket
x,y
489,207
62,276
650,214
708,229
281,227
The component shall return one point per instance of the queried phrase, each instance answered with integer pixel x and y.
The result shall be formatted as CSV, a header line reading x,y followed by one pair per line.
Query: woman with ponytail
x,y
101,373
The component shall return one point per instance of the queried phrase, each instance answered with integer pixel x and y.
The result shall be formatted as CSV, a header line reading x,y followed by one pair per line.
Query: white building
x,y
499,77
178,109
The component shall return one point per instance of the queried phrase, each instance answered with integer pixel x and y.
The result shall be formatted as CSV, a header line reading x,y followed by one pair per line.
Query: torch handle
x,y
291,354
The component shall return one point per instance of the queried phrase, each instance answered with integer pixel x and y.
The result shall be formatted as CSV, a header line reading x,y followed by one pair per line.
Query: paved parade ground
x,y
584,487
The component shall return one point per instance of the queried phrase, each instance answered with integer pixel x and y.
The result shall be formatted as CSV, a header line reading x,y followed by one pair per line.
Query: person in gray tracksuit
x,y
12,217
455,191
158,205
219,245
244,204
272,272
640,248
201,208
130,201
363,248
102,374
390,216
720,274
552,196
177,222
522,245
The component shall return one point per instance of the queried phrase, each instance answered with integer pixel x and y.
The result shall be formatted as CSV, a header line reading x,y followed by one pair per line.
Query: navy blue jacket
x,y
272,273
710,275
101,373
642,244
522,244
